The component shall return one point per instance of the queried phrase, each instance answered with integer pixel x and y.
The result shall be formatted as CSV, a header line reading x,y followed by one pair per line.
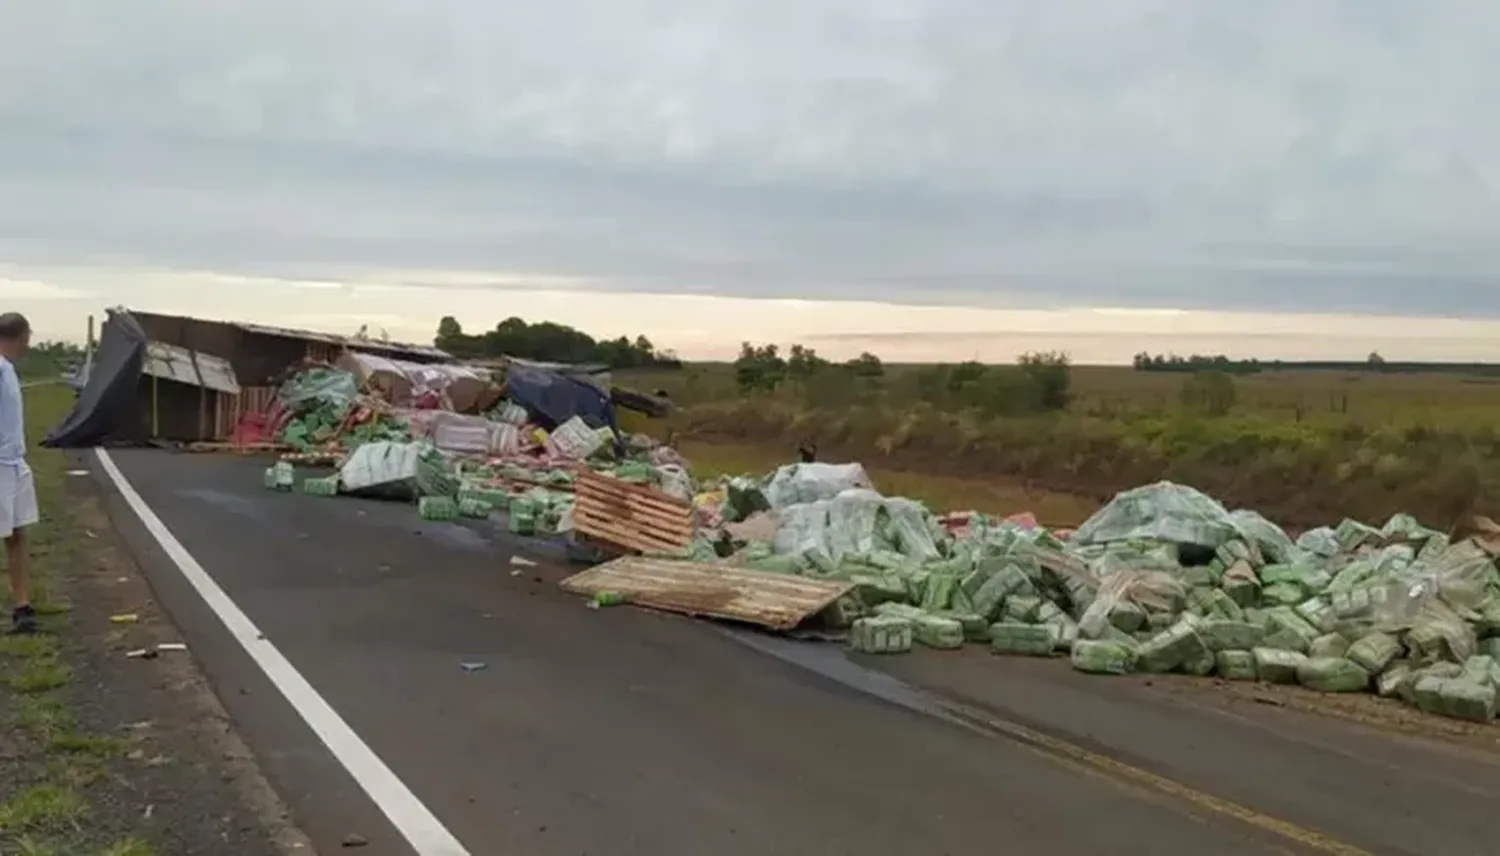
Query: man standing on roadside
x,y
17,492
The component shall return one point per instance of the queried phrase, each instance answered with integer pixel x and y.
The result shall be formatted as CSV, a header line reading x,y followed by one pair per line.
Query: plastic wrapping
x,y
318,388
1139,591
1159,512
1332,675
802,483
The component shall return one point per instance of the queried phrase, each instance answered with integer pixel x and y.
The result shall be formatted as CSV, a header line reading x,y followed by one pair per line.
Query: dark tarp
x,y
554,398
103,411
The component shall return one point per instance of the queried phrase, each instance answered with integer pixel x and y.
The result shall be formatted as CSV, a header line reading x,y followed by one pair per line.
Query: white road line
x,y
422,829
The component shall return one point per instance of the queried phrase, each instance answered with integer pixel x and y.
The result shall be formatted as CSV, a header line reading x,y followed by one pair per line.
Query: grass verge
x,y
47,761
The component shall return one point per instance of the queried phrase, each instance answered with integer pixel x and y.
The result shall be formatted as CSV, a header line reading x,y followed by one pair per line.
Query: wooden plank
x,y
775,601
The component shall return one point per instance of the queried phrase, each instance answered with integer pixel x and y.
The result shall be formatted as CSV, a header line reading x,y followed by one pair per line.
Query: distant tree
x,y
759,368
866,365
1052,374
1375,361
549,342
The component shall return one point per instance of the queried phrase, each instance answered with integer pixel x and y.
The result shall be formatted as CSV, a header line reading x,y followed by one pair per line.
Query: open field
x,y
1305,447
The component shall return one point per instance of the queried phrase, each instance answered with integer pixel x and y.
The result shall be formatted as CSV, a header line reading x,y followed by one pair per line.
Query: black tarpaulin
x,y
103,411
553,398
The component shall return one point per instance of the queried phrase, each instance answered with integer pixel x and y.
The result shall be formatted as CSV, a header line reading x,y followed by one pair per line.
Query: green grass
x,y
45,808
1304,447
50,816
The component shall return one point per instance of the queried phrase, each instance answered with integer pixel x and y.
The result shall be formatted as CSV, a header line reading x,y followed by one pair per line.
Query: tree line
x,y
1037,383
550,342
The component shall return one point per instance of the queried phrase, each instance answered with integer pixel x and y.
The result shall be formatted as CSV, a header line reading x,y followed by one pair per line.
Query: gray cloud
x,y
1288,155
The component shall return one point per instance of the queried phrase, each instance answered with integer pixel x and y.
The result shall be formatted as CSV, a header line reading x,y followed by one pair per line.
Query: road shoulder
x,y
104,753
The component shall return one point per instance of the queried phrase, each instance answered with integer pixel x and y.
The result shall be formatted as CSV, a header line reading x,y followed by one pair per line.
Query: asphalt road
x,y
619,732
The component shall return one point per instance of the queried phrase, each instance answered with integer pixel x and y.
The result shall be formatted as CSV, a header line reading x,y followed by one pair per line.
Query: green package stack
x,y
1064,628
1007,580
1007,637
490,496
934,631
1374,651
881,634
1226,635
1286,628
1332,675
1390,682
1328,646
437,508
976,628
280,476
875,589
1172,648
1235,665
522,519
1103,658
1022,609
1319,613
1277,666
939,593
325,486
475,509
1200,665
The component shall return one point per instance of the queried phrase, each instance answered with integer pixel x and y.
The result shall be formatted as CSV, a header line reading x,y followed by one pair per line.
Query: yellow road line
x,y
1077,756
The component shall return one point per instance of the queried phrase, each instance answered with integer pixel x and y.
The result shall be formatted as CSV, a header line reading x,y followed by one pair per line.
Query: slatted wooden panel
x,y
630,516
228,408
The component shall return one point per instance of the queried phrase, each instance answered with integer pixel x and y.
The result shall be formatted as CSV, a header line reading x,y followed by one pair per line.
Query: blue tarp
x,y
554,398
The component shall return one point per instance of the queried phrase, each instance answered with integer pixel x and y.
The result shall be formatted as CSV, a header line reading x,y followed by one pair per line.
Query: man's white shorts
x,y
17,498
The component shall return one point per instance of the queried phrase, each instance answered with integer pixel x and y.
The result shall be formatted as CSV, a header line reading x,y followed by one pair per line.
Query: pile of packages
x,y
1162,579
453,465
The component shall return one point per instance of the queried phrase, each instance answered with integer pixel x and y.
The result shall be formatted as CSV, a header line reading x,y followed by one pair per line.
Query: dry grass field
x,y
1303,446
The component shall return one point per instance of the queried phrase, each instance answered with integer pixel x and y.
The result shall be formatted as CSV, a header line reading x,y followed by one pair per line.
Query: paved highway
x,y
404,682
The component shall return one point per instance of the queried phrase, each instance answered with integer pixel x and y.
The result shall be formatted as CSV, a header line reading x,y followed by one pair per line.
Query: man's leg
x,y
22,616
20,511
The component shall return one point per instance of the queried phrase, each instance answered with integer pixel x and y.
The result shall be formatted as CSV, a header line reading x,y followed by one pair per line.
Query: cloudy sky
x,y
927,178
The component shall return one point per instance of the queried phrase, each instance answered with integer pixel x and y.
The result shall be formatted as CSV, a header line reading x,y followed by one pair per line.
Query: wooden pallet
x,y
630,516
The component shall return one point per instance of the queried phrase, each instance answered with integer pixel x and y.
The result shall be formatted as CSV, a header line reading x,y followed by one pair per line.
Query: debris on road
x,y
124,618
1162,579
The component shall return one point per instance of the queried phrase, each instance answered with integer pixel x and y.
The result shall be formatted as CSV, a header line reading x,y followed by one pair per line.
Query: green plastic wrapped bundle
x,y
1006,580
881,634
1007,637
1374,651
522,519
935,631
1290,629
1359,603
1332,675
495,499
1103,658
1064,628
939,594
437,508
1173,648
1243,589
1277,666
875,589
1225,635
1022,609
1408,688
1328,646
475,509
1282,594
776,564
281,476
1317,612
1490,647
1235,665
1482,669
744,498
1389,682
1462,698
324,486
1231,552
976,628
1200,666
